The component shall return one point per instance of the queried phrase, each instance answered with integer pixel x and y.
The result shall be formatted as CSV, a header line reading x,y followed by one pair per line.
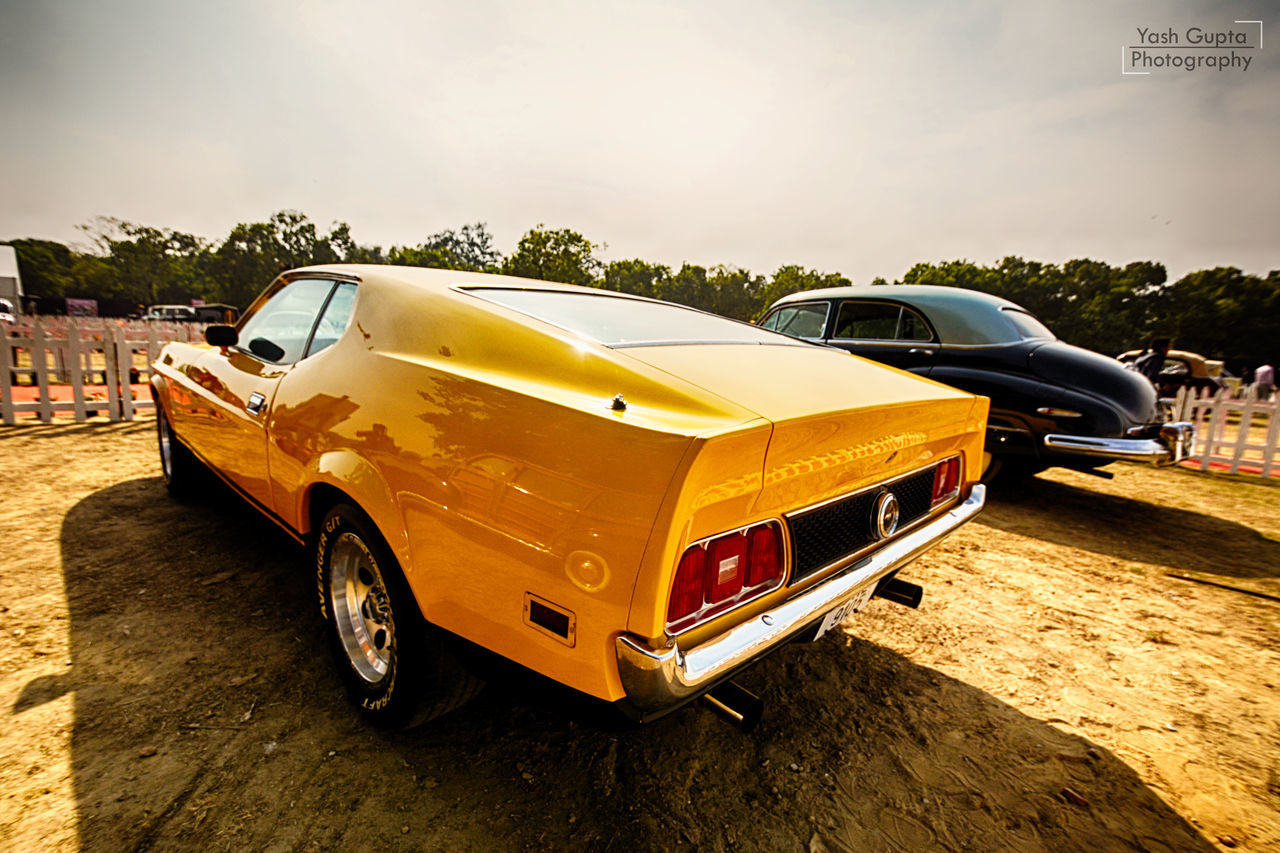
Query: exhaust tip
x,y
900,592
736,705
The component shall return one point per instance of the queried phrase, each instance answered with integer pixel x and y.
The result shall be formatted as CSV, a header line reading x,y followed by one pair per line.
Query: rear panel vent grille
x,y
833,531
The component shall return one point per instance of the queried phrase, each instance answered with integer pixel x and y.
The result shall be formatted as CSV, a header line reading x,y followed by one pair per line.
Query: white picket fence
x,y
64,358
1236,434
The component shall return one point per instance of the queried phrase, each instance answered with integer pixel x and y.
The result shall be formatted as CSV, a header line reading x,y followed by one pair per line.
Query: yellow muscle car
x,y
630,497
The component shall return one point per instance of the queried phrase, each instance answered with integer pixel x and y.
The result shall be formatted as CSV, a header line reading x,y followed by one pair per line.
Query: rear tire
x,y
391,664
1010,469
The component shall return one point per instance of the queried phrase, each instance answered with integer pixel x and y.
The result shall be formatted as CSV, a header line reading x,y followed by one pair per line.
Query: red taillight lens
x,y
946,479
766,560
686,593
726,566
721,574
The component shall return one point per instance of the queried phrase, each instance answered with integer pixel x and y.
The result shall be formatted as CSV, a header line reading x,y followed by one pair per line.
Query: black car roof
x,y
959,316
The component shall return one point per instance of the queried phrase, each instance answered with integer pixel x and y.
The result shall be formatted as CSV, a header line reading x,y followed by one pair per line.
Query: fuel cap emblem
x,y
885,515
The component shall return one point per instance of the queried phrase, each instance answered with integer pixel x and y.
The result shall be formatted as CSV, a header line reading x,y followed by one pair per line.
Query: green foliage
x,y
255,253
46,267
735,293
142,264
555,255
687,287
794,278
147,265
1221,312
723,290
637,277
470,248
1224,313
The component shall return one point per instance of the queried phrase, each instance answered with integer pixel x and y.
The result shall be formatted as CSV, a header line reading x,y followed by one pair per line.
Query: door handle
x,y
255,404
919,351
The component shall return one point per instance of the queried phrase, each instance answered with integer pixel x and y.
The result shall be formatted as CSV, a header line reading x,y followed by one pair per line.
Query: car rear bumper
x,y
657,680
1176,442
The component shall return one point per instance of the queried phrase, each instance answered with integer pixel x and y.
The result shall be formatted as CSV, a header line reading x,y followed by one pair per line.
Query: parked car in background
x,y
206,312
216,312
1184,369
6,312
633,498
170,313
1052,404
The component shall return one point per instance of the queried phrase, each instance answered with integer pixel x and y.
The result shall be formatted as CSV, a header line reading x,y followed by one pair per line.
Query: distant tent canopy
x,y
10,280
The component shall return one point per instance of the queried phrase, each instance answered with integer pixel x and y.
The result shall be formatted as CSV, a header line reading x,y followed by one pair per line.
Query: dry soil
x,y
1095,666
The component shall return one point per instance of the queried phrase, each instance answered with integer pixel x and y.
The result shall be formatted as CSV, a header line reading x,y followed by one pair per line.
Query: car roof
x,y
960,316
440,279
921,294
647,322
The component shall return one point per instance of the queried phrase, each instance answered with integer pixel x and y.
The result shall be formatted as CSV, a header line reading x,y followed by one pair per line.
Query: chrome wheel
x,y
361,609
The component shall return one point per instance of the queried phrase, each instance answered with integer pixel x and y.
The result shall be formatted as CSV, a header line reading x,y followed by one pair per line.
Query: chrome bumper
x,y
1177,441
655,679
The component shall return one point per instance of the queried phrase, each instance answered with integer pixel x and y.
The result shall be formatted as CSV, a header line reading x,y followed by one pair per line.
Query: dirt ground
x,y
1095,666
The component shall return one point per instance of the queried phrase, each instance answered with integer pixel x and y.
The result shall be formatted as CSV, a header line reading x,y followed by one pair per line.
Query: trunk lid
x,y
839,422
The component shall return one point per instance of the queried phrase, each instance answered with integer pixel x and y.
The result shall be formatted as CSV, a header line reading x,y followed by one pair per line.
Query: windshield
x,y
619,321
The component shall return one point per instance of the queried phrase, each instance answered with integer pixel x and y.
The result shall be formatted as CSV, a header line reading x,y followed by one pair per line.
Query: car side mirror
x,y
221,336
266,350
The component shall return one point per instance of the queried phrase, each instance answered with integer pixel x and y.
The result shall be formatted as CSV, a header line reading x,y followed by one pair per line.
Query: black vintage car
x,y
1052,404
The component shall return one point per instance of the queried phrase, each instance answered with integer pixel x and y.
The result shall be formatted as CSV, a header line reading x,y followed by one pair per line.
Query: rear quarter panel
x,y
492,462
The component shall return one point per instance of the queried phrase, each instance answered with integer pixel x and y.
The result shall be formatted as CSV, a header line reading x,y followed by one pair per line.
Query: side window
x,y
278,331
880,321
913,327
334,320
867,321
799,321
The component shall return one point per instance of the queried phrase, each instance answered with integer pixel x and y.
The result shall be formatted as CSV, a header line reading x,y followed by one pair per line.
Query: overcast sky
x,y
846,136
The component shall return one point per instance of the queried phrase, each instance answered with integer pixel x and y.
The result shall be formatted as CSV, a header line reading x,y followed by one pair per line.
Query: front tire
x,y
390,663
178,465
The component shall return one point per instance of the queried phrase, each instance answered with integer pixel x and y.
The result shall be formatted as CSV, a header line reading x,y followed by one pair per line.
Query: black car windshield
x,y
619,321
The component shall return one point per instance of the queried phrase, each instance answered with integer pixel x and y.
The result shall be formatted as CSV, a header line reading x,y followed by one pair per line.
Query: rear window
x,y
800,321
619,321
1028,326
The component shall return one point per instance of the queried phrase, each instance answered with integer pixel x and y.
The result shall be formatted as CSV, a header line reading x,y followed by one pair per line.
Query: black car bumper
x,y
1175,443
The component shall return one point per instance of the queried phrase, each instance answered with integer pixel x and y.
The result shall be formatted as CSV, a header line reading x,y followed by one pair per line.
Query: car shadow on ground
x,y
207,716
1130,529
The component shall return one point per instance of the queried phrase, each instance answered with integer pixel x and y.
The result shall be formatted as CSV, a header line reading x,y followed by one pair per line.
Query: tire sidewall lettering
x,y
370,697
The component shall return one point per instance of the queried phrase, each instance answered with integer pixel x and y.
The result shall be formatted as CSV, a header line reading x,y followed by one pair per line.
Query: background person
x,y
1265,378
1151,362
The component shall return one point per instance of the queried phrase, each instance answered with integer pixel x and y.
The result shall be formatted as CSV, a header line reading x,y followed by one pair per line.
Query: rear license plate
x,y
844,611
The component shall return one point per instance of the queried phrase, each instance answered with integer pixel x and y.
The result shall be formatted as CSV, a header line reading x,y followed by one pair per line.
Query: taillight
x,y
766,556
946,481
727,557
723,572
686,592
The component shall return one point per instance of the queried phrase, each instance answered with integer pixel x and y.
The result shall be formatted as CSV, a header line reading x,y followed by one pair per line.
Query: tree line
x,y
1221,312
